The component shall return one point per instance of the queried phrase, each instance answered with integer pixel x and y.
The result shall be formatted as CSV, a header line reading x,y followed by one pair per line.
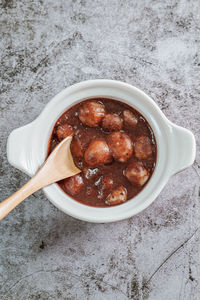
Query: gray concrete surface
x,y
48,45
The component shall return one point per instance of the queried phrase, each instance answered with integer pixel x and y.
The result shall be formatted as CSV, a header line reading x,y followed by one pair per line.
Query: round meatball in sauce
x,y
112,122
104,186
143,147
136,173
77,147
107,182
129,118
117,196
91,113
121,146
74,184
62,131
97,153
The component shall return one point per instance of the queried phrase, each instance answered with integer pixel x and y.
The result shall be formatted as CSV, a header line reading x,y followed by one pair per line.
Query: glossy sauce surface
x,y
96,183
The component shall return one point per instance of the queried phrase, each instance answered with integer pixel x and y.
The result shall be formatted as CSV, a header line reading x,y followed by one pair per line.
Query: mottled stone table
x,y
48,45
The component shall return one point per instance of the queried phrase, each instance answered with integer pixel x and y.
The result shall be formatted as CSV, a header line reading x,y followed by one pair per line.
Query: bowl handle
x,y
183,148
19,148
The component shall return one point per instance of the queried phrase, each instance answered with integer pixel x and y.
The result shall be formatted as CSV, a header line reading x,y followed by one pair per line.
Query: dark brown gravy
x,y
91,193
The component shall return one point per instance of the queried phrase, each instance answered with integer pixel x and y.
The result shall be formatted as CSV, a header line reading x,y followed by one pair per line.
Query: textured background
x,y
48,45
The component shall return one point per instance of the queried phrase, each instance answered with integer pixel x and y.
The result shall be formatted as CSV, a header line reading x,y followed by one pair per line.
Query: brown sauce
x,y
92,190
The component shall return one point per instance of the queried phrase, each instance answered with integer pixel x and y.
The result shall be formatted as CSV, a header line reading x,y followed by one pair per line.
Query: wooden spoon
x,y
59,165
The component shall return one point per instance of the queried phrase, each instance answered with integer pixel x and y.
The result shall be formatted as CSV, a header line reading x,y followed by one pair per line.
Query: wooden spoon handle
x,y
11,202
59,165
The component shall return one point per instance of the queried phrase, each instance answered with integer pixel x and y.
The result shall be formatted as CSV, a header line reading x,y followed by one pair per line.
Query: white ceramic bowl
x,y
27,147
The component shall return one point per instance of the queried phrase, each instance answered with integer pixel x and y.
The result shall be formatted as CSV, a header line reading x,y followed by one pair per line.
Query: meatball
x,y
112,122
104,184
62,131
77,147
136,173
91,113
74,184
129,118
107,182
117,196
97,153
79,143
143,147
121,146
